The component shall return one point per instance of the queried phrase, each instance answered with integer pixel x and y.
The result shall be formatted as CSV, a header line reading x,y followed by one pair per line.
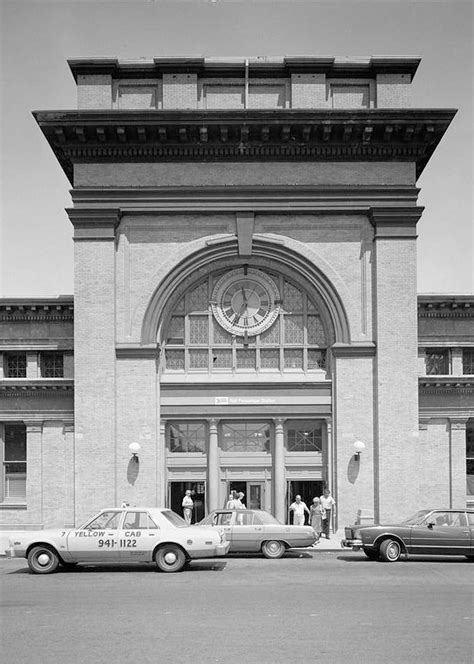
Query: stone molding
x,y
245,199
137,351
26,388
94,223
458,423
367,349
445,306
423,423
395,222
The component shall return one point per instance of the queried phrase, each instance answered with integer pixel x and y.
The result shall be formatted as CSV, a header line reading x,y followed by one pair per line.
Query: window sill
x,y
13,506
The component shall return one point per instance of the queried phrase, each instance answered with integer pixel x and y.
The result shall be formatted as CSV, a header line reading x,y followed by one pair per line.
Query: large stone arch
x,y
290,257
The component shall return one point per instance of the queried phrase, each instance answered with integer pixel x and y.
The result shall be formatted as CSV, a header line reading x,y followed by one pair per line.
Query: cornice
x,y
244,135
301,199
445,306
18,388
36,309
255,65
445,384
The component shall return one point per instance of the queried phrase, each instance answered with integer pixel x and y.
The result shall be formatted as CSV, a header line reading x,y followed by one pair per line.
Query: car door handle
x,y
258,530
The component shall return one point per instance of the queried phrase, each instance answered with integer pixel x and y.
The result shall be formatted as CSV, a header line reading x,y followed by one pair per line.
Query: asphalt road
x,y
328,607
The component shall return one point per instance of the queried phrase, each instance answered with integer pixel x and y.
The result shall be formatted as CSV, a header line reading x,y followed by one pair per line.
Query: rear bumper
x,y
354,544
218,550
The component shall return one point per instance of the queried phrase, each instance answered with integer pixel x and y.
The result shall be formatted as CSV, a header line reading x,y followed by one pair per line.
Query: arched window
x,y
195,341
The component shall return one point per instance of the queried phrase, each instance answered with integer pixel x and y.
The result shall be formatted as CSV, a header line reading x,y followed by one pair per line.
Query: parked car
x,y
120,535
445,532
257,530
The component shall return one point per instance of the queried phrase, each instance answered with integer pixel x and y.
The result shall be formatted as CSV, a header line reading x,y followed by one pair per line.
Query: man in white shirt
x,y
298,508
329,504
187,506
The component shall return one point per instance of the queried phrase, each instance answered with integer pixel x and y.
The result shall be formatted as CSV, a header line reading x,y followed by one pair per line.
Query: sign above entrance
x,y
244,401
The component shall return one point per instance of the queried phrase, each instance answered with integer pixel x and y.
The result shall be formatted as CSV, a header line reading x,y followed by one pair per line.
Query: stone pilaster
x,y
396,375
34,470
69,475
457,449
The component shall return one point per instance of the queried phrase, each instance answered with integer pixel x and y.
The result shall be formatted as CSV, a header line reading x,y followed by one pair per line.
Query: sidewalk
x,y
333,544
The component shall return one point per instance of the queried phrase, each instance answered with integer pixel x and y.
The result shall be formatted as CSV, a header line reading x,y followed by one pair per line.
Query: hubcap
x,y
170,557
393,551
274,547
43,559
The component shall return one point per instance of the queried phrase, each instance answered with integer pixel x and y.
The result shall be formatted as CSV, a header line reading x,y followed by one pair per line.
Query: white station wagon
x,y
120,535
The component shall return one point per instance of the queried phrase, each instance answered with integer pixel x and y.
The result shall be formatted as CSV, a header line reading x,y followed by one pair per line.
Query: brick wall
x,y
179,91
308,91
94,91
393,90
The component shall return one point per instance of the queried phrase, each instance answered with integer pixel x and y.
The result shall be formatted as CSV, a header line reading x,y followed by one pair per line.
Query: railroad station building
x,y
245,308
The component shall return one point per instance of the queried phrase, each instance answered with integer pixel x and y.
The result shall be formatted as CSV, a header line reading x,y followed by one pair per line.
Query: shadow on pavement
x,y
88,568
406,561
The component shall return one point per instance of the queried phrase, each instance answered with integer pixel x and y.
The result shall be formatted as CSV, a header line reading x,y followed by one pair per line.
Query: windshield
x,y
174,519
416,519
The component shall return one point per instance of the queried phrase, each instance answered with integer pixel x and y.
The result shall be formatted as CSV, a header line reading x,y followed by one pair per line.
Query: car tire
x,y
273,549
390,551
170,558
43,560
372,554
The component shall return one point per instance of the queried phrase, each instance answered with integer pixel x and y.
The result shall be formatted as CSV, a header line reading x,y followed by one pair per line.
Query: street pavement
x,y
310,606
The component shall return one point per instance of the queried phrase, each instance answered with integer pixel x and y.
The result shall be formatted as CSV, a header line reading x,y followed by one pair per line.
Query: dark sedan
x,y
256,530
443,532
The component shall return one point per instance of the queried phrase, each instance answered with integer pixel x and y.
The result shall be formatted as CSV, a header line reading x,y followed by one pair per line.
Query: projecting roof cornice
x,y
250,135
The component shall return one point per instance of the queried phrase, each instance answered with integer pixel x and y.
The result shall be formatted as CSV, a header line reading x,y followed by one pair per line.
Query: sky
x,y
38,36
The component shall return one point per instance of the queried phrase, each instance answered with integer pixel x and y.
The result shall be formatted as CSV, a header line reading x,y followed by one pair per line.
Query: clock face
x,y
245,302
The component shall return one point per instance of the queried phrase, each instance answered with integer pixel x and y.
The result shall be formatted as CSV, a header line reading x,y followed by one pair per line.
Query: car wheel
x,y
43,560
390,551
273,549
372,554
170,558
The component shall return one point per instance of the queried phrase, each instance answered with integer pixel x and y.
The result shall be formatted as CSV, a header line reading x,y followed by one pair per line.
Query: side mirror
x,y
431,524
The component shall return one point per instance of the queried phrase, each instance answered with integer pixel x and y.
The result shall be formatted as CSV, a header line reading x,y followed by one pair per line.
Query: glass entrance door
x,y
304,488
253,493
176,492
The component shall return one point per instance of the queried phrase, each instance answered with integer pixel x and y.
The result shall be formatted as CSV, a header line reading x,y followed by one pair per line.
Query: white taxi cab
x,y
120,535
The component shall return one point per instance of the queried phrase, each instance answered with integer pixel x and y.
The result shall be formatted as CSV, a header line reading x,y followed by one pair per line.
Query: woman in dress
x,y
316,514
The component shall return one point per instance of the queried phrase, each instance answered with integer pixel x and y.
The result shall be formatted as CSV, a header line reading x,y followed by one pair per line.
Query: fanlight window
x,y
187,437
195,342
304,436
245,437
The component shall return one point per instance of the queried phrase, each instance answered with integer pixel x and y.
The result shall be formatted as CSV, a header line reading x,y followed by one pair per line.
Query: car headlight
x,y
357,534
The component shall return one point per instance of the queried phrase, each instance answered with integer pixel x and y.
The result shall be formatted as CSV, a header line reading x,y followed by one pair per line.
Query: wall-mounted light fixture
x,y
359,447
134,448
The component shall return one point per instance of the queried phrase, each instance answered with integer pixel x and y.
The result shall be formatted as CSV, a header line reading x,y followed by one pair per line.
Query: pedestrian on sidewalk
x,y
298,508
329,504
316,513
187,506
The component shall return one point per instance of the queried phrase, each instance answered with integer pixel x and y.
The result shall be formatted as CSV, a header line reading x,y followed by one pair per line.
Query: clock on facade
x,y
245,302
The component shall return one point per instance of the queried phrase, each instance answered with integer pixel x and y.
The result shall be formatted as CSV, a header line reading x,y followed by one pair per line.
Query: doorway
x,y
307,489
176,491
253,493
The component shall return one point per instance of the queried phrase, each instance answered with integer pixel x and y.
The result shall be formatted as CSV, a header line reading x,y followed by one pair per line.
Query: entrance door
x,y
307,490
176,492
253,493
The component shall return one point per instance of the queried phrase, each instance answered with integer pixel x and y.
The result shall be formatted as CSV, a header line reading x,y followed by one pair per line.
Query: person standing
x,y
298,508
187,506
328,504
316,514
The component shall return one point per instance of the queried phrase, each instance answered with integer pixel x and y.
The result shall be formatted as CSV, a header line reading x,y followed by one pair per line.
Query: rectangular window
x,y
199,358
468,361
437,361
14,463
52,365
245,437
270,358
15,365
222,358
176,330
187,437
199,330
470,458
293,359
175,360
304,436
246,359
316,358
